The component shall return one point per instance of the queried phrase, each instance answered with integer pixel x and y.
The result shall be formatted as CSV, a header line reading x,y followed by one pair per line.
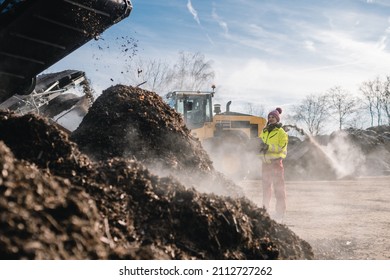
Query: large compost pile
x,y
132,123
130,185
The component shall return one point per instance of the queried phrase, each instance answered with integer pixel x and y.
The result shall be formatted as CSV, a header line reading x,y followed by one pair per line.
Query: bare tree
x,y
312,112
192,72
386,99
377,96
254,109
343,104
367,89
373,93
152,74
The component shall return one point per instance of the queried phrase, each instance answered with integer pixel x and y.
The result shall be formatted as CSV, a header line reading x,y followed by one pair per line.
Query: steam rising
x,y
344,154
346,158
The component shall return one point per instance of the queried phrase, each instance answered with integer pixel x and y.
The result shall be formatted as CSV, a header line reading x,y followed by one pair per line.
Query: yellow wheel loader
x,y
230,138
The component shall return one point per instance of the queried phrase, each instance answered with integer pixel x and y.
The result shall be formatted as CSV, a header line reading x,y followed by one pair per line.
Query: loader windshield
x,y
196,107
196,110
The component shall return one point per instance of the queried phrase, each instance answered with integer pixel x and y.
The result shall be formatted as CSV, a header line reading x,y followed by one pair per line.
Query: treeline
x,y
339,108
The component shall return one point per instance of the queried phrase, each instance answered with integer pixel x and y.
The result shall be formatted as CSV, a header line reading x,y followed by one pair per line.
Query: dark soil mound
x,y
56,203
133,123
130,122
44,217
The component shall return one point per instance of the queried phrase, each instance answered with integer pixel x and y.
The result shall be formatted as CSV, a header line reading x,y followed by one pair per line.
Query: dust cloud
x,y
347,153
347,158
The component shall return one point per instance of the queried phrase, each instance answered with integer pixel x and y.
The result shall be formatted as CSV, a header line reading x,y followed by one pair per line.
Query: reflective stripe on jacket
x,y
277,140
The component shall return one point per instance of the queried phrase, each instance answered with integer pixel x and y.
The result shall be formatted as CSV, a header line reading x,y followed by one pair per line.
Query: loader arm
x,y
35,34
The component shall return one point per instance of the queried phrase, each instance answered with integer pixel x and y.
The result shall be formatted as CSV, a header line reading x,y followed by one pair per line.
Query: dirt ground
x,y
347,219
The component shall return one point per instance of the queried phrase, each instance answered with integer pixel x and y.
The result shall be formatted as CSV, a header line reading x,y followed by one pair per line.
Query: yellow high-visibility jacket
x,y
277,140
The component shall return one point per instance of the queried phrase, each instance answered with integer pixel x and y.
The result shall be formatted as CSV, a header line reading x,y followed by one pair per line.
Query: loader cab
x,y
195,107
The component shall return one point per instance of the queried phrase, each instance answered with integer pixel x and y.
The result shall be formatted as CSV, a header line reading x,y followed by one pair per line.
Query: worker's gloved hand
x,y
263,147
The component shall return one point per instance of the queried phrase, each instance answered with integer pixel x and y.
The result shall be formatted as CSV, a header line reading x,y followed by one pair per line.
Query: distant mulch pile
x,y
58,203
345,153
307,161
370,148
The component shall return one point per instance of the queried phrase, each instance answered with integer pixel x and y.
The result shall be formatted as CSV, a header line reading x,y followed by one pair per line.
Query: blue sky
x,y
264,52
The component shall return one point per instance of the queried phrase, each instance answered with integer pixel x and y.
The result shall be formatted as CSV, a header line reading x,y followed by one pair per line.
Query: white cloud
x,y
193,11
255,80
309,45
346,49
271,83
220,22
382,44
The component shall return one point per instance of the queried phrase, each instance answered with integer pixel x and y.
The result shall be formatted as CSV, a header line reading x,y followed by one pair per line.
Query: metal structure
x,y
35,34
48,88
